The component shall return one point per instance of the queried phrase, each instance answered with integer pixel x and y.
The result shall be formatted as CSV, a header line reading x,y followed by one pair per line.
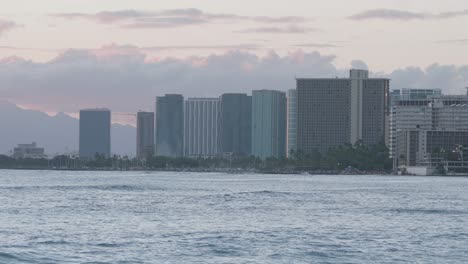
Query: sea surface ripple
x,y
161,217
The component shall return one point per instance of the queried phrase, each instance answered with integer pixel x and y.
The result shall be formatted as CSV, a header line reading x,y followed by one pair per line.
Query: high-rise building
x,y
268,124
170,125
202,127
95,133
333,112
145,134
410,110
236,124
292,122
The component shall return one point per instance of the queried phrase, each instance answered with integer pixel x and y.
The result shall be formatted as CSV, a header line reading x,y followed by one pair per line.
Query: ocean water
x,y
156,217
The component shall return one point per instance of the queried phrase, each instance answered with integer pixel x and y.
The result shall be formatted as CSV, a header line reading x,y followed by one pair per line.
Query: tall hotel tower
x,y
333,112
236,124
145,134
268,124
169,125
95,133
202,127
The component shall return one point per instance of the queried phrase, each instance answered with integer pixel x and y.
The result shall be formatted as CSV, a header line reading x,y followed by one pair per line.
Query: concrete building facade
x,y
433,113
236,125
202,127
169,125
268,124
145,134
334,112
428,147
420,127
95,133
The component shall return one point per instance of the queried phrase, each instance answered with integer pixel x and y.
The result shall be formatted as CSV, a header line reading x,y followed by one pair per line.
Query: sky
x,y
64,55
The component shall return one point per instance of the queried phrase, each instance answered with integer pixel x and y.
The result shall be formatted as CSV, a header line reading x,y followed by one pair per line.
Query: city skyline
x,y
81,52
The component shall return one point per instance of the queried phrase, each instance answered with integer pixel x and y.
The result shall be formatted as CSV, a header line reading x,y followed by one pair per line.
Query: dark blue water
x,y
136,217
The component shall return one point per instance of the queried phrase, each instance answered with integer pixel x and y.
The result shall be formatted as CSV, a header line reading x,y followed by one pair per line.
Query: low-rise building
x,y
432,148
28,151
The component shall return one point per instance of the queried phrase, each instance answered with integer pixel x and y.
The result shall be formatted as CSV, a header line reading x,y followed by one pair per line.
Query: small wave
x,y
8,258
317,254
256,193
53,242
81,187
451,236
242,195
268,193
117,188
429,211
111,245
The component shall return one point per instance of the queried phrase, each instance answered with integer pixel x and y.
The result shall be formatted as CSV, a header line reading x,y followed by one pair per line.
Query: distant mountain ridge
x,y
57,134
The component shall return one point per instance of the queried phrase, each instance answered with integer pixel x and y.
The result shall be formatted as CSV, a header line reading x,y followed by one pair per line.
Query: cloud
x,y
393,14
317,45
292,29
359,64
122,49
284,19
6,25
13,48
128,81
124,79
170,18
453,41
450,78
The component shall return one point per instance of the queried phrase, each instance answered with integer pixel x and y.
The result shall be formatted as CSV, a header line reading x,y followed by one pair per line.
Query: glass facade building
x,y
268,124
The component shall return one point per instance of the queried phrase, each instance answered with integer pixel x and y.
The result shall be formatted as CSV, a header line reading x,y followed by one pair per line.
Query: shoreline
x,y
236,171
242,171
221,170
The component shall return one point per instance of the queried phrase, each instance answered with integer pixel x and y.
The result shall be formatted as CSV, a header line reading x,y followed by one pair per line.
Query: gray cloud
x,y
318,45
13,48
127,81
170,18
359,64
119,49
451,79
453,41
6,25
393,14
247,46
284,19
291,29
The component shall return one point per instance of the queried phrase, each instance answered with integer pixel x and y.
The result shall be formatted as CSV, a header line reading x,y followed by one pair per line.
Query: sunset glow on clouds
x,y
63,55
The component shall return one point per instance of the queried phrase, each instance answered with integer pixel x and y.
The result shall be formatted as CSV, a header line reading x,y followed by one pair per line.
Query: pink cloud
x,y
6,25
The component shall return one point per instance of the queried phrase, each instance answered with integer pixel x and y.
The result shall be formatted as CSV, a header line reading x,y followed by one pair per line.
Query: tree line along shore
x,y
343,159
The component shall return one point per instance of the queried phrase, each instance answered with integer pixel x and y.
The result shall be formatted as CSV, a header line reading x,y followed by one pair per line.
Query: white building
x,y
28,151
201,127
432,113
415,94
